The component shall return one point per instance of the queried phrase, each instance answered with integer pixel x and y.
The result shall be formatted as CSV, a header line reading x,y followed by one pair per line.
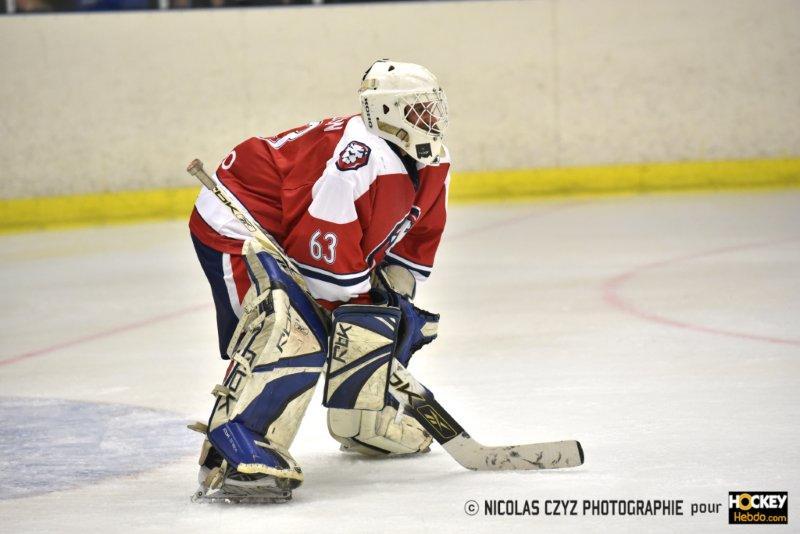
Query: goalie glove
x,y
417,328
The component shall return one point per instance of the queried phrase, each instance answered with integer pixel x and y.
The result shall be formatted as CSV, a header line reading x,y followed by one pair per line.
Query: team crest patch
x,y
354,156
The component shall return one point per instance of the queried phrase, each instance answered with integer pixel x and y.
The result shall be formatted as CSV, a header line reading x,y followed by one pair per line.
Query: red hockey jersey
x,y
337,198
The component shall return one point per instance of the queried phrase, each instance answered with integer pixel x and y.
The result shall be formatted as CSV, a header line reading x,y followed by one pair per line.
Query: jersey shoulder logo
x,y
354,156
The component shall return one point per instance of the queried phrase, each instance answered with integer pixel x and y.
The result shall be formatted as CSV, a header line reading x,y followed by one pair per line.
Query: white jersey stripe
x,y
420,272
320,289
218,216
409,263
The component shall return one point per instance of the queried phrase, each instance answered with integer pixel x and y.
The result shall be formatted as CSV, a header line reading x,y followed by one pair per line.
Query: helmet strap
x,y
393,130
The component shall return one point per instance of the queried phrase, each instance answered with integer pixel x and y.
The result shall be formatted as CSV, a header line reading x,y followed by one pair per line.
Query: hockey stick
x,y
417,400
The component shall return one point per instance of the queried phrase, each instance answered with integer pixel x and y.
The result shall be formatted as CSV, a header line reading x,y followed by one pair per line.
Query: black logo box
x,y
742,510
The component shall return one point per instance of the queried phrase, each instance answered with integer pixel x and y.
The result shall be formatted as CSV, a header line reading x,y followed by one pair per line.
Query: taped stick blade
x,y
532,456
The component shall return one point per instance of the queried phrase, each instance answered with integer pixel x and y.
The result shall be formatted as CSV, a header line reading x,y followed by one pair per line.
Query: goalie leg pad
x,y
279,349
372,433
363,343
360,356
247,452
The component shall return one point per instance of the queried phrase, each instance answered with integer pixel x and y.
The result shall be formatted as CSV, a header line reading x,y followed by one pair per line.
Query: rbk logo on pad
x,y
354,156
341,342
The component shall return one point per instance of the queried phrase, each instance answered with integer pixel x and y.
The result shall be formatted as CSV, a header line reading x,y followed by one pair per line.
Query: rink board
x,y
160,204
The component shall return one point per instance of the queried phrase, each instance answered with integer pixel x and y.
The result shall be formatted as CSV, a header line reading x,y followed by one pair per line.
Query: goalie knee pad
x,y
278,350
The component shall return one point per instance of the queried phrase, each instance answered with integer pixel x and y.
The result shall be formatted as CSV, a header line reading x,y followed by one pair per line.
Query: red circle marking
x,y
612,297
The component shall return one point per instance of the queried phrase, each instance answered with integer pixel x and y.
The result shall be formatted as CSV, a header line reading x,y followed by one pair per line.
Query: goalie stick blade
x,y
419,402
472,455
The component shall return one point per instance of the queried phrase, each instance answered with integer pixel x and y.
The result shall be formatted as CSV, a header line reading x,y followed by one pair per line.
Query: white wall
x,y
104,102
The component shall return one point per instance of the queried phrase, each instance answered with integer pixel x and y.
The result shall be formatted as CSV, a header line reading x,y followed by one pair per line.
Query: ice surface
x,y
663,332
51,444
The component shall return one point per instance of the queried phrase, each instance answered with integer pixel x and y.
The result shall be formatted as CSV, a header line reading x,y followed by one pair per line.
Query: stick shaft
x,y
196,169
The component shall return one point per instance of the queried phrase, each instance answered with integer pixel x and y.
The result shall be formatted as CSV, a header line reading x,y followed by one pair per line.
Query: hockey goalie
x,y
359,205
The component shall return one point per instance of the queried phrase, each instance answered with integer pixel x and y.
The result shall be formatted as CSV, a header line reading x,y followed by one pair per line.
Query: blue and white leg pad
x,y
279,349
362,346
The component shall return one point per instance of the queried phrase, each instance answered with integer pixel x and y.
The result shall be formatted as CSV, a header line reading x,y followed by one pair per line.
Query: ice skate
x,y
221,483
226,485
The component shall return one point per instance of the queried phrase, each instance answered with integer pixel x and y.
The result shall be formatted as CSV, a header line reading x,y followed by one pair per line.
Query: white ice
x,y
663,332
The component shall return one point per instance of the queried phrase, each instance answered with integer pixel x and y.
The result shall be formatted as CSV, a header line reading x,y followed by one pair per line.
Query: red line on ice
x,y
101,335
612,297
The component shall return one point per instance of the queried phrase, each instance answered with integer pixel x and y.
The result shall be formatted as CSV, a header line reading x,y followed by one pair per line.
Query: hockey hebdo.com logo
x,y
758,507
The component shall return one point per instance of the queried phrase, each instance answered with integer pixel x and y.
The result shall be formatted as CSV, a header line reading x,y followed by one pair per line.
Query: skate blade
x,y
277,497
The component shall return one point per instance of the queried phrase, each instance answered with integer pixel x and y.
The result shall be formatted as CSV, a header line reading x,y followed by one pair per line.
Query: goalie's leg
x,y
278,350
362,346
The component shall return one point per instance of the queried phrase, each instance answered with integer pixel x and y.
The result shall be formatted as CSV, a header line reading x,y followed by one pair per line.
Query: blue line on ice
x,y
54,444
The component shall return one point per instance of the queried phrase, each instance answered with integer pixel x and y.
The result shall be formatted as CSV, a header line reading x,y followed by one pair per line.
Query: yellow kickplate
x,y
649,177
131,206
102,208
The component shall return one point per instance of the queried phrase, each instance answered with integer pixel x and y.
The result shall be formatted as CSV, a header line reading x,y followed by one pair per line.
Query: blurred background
x,y
43,6
100,112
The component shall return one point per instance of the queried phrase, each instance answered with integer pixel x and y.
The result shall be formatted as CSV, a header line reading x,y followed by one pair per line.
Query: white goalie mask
x,y
404,104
